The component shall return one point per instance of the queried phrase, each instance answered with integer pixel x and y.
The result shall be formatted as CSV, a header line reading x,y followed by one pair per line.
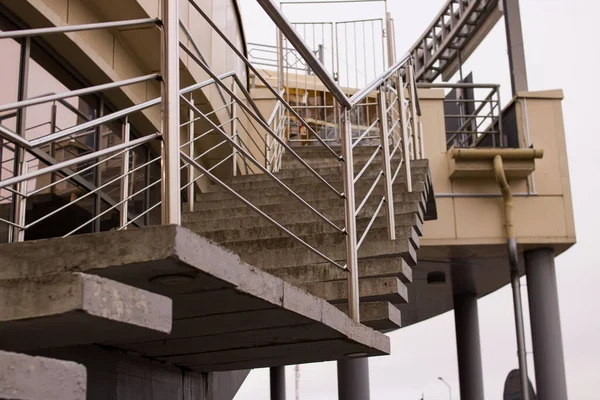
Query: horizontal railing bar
x,y
365,133
11,223
265,170
78,199
205,83
68,163
367,164
259,211
395,149
364,92
112,207
207,132
397,171
77,28
76,93
131,221
371,222
366,198
210,169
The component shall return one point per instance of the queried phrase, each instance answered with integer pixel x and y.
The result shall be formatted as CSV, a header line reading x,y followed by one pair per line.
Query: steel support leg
x,y
277,383
516,50
545,325
468,347
353,379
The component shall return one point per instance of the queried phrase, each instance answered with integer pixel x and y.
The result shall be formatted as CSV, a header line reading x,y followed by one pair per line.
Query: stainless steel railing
x,y
110,181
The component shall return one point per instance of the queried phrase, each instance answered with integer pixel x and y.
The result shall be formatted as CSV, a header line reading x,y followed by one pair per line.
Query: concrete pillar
x,y
353,379
468,347
277,383
516,50
546,334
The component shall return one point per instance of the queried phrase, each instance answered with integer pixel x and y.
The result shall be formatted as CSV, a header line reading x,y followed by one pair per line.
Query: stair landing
x,y
227,315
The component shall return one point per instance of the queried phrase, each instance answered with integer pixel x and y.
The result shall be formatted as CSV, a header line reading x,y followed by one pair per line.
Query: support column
x,y
545,325
353,379
516,50
277,383
468,347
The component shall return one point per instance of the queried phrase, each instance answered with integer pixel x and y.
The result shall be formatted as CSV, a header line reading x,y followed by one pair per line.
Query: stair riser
x,y
302,256
334,180
273,205
271,231
325,172
247,243
287,219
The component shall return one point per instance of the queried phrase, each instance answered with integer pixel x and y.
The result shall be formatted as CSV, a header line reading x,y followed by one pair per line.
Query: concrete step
x,y
297,256
326,172
303,215
361,188
95,310
336,180
318,240
379,315
301,229
23,377
371,289
272,204
377,268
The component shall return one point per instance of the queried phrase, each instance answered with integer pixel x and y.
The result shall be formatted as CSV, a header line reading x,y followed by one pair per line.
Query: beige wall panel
x,y
100,40
445,226
152,7
539,217
479,218
434,133
126,69
544,132
60,7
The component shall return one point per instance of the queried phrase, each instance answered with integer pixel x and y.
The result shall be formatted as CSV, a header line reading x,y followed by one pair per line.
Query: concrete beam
x,y
24,377
76,308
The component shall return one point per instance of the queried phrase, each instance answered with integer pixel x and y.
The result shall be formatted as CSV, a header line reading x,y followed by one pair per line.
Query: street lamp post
x,y
449,387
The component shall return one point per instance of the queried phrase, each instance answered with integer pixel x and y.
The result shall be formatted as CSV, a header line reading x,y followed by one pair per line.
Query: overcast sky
x,y
562,53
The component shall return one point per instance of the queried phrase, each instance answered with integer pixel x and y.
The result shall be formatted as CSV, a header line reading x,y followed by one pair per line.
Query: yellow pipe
x,y
506,196
488,154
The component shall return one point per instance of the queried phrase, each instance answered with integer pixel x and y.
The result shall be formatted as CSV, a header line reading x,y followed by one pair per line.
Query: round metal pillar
x,y
277,375
545,325
468,347
353,379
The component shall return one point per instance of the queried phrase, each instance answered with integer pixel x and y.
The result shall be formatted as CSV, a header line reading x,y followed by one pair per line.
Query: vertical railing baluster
x,y
191,194
171,205
125,184
350,217
22,202
405,141
386,162
413,109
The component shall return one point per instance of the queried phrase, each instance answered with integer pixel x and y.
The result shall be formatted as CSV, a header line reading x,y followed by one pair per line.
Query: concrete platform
x,y
232,315
74,308
23,377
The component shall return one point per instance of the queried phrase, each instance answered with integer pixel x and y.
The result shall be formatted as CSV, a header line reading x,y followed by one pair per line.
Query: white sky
x,y
556,32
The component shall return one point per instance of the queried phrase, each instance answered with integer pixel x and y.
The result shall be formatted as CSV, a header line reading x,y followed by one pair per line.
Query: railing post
x,y
405,143
350,214
413,109
386,162
233,131
125,184
191,195
170,114
21,203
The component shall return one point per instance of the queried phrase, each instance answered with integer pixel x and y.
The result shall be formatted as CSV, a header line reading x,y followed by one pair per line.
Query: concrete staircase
x,y
385,267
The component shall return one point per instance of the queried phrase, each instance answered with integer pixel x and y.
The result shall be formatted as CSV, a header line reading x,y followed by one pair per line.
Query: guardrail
x,y
114,179
472,114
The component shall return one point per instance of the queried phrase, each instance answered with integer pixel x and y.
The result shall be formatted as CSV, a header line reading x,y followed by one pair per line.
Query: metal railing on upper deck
x,y
245,141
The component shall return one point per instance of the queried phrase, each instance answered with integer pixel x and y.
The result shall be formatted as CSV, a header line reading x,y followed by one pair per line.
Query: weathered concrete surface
x,y
24,377
75,308
380,315
370,289
174,262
